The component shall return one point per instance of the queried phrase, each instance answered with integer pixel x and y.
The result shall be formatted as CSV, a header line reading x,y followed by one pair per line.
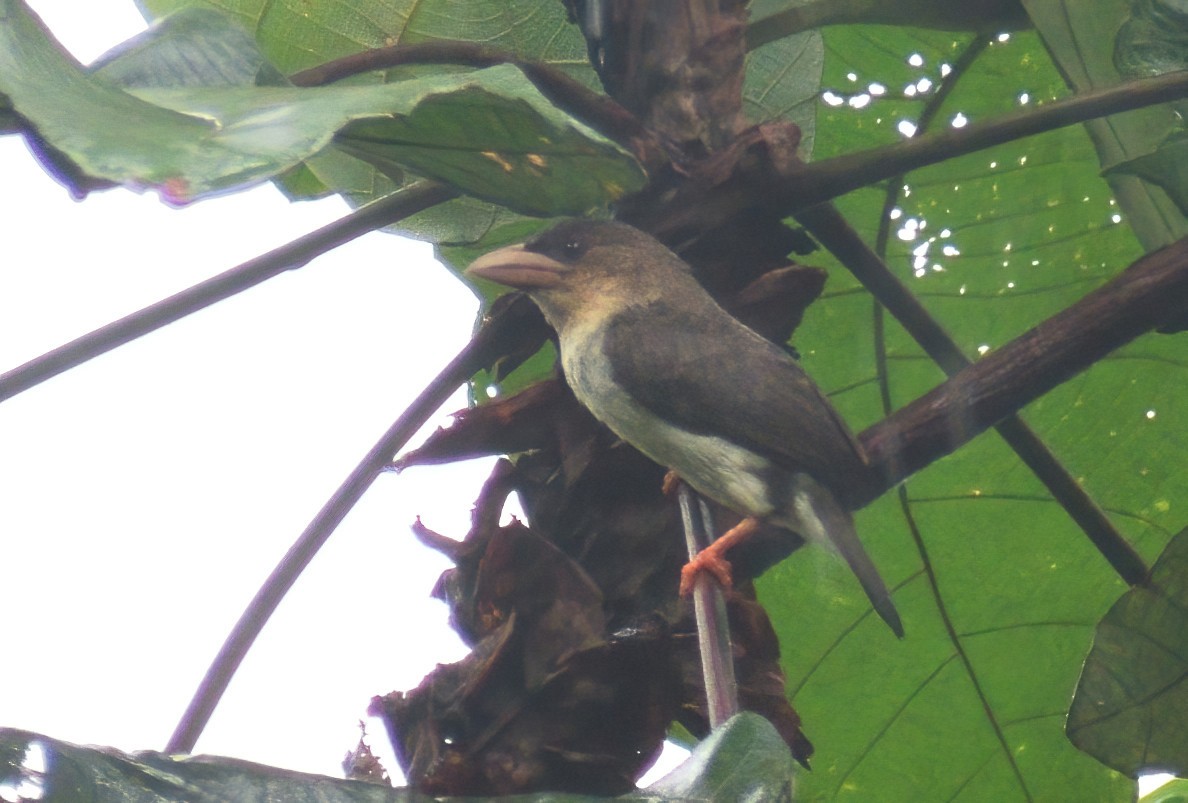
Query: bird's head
x,y
582,267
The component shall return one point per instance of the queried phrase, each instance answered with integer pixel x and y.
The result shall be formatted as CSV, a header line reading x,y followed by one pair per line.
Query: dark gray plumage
x,y
655,358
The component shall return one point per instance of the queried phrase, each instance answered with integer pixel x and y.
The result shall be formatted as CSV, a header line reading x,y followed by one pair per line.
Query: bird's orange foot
x,y
671,481
712,559
707,560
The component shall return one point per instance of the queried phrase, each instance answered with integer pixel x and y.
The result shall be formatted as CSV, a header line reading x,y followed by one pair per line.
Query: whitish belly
x,y
723,471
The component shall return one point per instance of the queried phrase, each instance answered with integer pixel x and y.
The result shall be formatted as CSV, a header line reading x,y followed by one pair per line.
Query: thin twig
x,y
709,609
295,254
830,178
480,352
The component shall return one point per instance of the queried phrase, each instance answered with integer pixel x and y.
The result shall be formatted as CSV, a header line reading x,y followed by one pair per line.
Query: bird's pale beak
x,y
519,268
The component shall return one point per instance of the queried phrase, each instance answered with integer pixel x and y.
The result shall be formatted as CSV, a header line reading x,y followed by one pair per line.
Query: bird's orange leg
x,y
712,560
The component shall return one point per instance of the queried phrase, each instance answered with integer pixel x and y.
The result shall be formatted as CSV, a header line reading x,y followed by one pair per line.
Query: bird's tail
x,y
822,519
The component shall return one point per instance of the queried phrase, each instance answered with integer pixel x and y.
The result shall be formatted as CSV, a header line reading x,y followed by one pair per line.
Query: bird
x,y
653,356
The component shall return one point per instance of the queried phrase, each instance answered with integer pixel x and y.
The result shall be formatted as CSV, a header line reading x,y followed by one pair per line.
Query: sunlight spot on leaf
x,y
950,251
961,290
1024,98
1162,505
876,89
1034,262
1004,37
1150,414
1116,218
993,165
923,85
859,101
959,120
831,98
982,349
492,391
852,76
916,60
1010,285
906,127
1022,160
499,160
945,69
896,213
1006,247
907,190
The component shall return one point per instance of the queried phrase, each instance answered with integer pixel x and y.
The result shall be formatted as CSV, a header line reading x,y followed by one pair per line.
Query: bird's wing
x,y
699,368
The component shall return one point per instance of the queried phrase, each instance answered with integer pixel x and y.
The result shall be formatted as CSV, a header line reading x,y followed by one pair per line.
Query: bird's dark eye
x,y
573,249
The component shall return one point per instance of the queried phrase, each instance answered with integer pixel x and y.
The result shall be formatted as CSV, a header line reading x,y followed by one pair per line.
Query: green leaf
x,y
1153,40
744,759
1167,167
297,36
192,142
1132,699
534,29
1082,42
194,47
1174,792
75,773
782,82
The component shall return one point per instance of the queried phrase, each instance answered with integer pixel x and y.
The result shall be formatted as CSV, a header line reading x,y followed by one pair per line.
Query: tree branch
x,y
1149,292
762,170
292,255
487,344
830,178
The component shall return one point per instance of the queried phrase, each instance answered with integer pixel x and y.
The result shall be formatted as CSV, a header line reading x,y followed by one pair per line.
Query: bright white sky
x,y
147,494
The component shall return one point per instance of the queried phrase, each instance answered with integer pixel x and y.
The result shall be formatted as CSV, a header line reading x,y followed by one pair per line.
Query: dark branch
x,y
830,178
762,170
295,254
483,349
1151,291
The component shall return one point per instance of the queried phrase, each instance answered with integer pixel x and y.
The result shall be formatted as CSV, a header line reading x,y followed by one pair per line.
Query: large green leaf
x,y
194,141
745,759
297,36
1083,40
1132,699
998,589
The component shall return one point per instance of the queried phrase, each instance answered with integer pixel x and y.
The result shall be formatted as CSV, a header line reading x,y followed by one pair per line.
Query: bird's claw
x,y
671,480
707,560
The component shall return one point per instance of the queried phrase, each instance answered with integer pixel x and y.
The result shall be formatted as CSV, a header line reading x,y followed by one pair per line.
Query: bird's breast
x,y
724,471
